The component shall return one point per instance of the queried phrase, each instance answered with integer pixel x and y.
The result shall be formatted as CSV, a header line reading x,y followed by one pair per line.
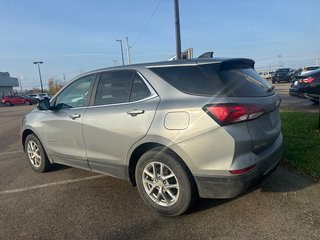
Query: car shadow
x,y
58,167
282,180
285,180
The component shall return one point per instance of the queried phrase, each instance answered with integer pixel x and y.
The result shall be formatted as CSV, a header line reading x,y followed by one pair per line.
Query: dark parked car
x,y
307,85
283,75
14,100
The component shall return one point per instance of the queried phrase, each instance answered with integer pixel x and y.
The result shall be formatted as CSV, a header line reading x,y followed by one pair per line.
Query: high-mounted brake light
x,y
226,114
307,80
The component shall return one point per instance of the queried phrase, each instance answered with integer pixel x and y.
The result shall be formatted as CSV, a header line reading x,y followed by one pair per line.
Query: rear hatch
x,y
246,88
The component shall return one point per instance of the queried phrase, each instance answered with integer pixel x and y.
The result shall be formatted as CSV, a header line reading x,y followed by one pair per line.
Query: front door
x,y
63,124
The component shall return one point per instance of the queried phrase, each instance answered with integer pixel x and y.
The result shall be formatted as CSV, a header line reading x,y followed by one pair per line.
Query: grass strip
x,y
301,142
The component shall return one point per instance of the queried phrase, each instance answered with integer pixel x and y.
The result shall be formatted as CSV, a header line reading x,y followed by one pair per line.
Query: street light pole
x,y
38,63
128,50
120,41
19,78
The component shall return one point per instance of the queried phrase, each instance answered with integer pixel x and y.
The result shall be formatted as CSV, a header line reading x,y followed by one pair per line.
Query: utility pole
x,y
120,41
128,50
177,25
115,62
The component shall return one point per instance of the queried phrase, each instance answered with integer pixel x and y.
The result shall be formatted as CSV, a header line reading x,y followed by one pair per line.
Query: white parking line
x,y
50,184
5,153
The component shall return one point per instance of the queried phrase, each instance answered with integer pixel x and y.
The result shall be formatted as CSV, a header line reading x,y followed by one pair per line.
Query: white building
x,y
7,83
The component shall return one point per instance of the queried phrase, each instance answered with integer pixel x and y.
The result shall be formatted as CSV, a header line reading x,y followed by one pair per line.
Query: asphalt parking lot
x,y
69,203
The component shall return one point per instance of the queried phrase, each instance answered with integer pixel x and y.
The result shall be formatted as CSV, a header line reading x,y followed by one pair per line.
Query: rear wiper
x,y
270,89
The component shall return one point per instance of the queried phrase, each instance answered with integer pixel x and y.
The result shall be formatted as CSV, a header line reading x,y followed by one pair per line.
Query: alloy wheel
x,y
160,184
34,153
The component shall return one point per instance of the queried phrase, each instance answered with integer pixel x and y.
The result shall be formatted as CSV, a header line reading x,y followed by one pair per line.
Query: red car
x,y
14,100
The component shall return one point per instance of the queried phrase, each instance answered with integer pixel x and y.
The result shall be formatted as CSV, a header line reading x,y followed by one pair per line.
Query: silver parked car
x,y
177,130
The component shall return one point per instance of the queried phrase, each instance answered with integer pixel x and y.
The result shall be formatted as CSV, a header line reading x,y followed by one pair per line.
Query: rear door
x,y
121,113
14,100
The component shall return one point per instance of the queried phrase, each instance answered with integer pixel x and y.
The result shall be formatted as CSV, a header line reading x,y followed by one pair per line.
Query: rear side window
x,y
139,89
191,79
114,87
232,80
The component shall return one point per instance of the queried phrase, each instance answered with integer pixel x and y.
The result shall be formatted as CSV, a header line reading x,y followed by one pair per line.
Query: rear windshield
x,y
311,68
283,70
210,80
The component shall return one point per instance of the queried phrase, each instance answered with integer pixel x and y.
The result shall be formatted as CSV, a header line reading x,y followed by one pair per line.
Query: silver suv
x,y
177,130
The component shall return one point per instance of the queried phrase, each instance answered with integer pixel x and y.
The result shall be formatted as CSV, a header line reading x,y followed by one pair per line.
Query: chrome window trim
x,y
124,103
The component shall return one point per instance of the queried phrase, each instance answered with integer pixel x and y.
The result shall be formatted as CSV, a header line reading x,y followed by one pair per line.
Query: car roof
x,y
185,62
311,72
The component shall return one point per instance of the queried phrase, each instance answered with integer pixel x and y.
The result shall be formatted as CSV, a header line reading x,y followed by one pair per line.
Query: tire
x,y
273,82
169,201
314,101
36,155
27,103
8,104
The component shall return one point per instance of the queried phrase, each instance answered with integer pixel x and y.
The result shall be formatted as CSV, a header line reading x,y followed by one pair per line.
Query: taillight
x,y
307,80
244,170
226,114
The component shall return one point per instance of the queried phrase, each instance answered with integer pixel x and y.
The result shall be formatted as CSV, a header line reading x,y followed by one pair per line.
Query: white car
x,y
40,96
265,75
309,69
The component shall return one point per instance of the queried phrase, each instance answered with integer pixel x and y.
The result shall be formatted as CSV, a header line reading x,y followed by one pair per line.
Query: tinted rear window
x,y
245,82
232,80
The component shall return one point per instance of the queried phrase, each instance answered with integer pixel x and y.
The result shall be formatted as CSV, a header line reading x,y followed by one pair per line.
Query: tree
x,y
54,86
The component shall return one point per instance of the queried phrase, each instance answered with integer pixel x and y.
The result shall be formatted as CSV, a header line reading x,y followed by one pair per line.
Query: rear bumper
x,y
232,186
313,97
281,79
297,92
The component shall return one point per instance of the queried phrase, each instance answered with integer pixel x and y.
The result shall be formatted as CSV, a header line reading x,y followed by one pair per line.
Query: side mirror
x,y
44,104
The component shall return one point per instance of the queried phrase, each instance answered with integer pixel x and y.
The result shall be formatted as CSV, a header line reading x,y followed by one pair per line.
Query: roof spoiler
x,y
206,55
235,63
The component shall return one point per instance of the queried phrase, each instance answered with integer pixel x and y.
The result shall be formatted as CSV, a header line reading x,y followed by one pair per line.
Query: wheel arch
x,y
24,136
25,133
143,148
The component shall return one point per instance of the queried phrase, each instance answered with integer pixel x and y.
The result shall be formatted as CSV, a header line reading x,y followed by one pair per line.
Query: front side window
x,y
76,94
114,87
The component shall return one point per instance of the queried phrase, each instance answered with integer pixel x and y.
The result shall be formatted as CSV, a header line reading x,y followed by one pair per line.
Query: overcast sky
x,y
71,37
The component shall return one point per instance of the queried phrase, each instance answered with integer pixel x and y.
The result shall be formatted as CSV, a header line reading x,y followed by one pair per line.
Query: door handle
x,y
74,116
135,112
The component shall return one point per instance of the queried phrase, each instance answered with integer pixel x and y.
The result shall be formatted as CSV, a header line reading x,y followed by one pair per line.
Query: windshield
x,y
283,70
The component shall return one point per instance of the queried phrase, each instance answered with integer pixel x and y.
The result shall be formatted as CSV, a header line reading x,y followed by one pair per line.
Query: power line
x,y
148,22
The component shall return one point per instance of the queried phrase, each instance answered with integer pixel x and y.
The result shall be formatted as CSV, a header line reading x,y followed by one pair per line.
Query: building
x,y
7,83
